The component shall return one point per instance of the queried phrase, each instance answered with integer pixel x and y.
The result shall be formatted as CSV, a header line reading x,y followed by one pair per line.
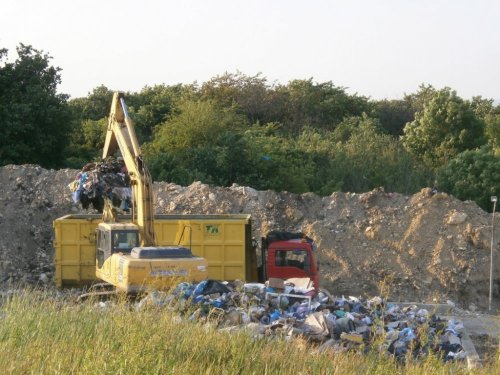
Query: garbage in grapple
x,y
101,180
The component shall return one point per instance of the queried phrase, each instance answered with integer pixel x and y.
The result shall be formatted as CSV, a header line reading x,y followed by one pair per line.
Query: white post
x,y
494,200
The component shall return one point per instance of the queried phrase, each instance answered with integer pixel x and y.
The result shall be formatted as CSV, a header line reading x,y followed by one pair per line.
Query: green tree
x,y
393,114
446,126
371,159
490,114
277,163
492,131
418,100
483,107
88,125
196,124
34,123
94,107
200,141
247,93
152,106
316,105
232,162
87,143
320,172
354,124
472,175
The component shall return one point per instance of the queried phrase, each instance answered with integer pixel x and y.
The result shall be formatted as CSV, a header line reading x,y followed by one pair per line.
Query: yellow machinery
x,y
127,255
225,241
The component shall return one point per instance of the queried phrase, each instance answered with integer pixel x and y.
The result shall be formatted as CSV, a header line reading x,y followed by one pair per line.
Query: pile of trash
x,y
99,181
336,324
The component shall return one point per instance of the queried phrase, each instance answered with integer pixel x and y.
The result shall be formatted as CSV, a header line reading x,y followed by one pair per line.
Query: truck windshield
x,y
293,258
124,241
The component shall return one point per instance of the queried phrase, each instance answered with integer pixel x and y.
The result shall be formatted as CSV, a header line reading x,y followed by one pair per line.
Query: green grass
x,y
40,334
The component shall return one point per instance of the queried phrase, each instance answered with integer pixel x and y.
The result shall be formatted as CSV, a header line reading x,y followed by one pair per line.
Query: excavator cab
x,y
132,268
115,238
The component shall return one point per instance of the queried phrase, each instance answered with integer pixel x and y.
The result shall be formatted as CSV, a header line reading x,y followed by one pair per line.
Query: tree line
x,y
302,136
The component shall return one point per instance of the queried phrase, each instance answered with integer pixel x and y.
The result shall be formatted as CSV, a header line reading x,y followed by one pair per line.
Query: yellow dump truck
x,y
225,241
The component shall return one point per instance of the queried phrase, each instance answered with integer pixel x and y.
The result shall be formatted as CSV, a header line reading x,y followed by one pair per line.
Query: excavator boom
x,y
121,136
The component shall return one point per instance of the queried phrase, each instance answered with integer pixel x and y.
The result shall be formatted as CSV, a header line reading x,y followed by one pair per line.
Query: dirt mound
x,y
426,247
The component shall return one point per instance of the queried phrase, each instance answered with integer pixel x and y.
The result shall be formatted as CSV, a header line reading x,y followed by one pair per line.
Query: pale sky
x,y
377,48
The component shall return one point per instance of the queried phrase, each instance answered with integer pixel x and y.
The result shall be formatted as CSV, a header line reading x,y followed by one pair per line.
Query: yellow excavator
x,y
127,255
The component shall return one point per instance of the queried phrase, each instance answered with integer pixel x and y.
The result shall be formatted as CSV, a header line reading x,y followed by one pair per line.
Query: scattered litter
x,y
335,323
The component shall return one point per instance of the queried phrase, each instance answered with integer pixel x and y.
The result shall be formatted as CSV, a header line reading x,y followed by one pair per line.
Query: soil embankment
x,y
427,247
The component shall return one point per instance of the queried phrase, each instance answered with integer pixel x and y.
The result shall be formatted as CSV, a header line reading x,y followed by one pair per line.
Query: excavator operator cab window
x,y
103,238
124,241
115,241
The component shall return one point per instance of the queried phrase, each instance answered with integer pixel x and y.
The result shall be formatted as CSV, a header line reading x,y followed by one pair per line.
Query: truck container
x,y
224,240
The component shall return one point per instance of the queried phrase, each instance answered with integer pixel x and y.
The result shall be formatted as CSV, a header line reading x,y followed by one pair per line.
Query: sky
x,y
380,49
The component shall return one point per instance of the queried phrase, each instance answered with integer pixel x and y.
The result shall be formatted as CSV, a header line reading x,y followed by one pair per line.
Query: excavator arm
x,y
121,136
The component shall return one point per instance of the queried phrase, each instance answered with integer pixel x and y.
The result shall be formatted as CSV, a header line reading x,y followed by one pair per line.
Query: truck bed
x,y
224,240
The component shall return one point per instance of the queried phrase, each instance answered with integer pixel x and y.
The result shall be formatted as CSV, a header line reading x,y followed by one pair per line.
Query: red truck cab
x,y
288,255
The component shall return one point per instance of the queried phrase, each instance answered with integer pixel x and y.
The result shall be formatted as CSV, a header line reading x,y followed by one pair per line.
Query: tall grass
x,y
41,334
